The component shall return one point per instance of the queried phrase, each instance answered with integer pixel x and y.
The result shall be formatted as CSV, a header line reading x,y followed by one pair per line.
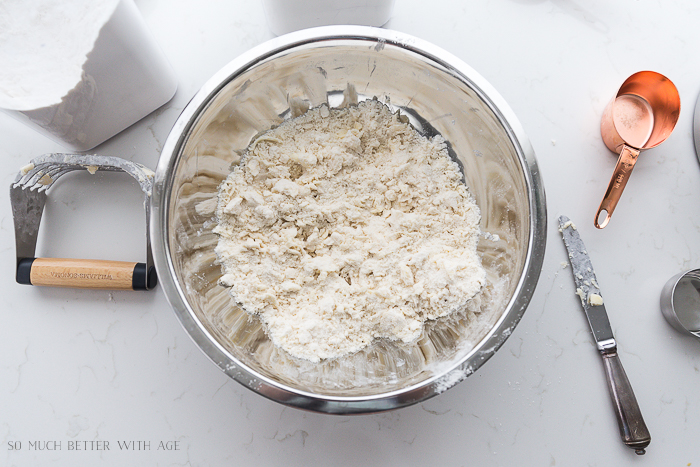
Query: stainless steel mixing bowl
x,y
343,64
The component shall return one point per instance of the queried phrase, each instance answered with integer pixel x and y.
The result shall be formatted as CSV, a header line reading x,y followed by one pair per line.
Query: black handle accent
x,y
24,271
144,278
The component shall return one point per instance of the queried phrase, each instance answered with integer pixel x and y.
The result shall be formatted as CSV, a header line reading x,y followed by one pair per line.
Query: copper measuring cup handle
x,y
623,169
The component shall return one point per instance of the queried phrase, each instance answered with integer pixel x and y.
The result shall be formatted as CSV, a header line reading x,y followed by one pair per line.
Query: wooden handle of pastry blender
x,y
625,164
86,274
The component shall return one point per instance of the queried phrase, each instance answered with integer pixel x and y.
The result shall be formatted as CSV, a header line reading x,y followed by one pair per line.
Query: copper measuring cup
x,y
642,115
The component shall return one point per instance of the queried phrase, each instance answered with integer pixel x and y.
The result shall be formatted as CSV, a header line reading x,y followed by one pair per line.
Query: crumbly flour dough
x,y
344,226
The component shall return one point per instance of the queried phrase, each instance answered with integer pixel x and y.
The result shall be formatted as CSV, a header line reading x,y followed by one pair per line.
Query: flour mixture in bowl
x,y
343,226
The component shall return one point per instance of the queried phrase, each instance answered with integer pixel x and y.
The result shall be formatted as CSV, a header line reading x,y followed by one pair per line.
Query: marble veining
x,y
81,366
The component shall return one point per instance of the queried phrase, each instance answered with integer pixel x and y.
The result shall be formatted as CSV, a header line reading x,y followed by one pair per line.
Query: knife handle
x,y
633,430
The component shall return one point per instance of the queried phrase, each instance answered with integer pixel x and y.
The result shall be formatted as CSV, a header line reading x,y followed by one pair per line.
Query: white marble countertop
x,y
91,365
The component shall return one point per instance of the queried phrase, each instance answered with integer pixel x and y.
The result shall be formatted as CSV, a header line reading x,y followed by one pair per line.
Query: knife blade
x,y
587,287
633,430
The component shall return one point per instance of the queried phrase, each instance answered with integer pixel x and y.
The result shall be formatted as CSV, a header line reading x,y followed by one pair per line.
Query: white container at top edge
x,y
285,16
124,78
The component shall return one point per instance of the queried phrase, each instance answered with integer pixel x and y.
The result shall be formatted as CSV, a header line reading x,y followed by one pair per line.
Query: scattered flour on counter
x,y
344,226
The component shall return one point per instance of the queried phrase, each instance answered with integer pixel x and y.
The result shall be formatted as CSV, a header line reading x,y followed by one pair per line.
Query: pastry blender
x,y
28,194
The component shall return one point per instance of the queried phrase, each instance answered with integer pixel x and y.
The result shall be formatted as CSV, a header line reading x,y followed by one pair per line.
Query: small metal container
x,y
680,302
439,94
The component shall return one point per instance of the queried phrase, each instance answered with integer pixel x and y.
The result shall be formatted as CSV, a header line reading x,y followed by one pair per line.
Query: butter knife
x,y
633,430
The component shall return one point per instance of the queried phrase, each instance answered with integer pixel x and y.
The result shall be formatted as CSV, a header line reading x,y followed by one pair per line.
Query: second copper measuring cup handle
x,y
623,169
